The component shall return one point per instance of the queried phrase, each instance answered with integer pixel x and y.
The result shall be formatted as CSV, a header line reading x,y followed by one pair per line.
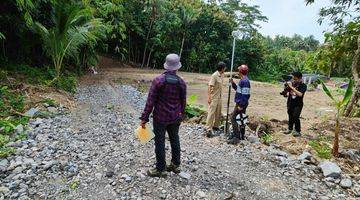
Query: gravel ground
x,y
91,153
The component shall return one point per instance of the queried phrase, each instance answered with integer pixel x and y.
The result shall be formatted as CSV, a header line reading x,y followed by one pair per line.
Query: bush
x,y
4,140
5,151
67,83
266,138
41,76
10,101
264,77
50,102
30,75
6,126
322,150
192,110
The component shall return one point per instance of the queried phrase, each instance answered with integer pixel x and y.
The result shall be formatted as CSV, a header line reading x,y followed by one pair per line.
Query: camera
x,y
286,79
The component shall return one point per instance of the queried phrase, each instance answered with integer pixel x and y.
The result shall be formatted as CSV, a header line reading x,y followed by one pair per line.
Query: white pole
x,y
228,100
232,57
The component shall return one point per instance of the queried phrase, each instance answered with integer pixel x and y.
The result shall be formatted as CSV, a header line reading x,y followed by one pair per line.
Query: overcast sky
x,y
287,17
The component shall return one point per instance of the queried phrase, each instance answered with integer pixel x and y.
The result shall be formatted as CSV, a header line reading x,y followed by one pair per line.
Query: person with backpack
x,y
242,97
166,101
215,100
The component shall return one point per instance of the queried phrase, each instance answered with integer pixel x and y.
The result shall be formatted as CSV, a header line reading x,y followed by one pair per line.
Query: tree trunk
x,y
335,149
146,43
3,50
149,56
355,68
129,49
182,45
332,66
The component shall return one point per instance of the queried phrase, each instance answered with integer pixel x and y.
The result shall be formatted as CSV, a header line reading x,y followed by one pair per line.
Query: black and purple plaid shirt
x,y
166,101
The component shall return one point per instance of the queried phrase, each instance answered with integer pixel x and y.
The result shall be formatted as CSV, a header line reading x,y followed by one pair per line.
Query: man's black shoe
x,y
210,134
154,172
234,141
173,168
242,136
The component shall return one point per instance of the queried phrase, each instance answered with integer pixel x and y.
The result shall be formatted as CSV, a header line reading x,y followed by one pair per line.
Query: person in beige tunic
x,y
215,100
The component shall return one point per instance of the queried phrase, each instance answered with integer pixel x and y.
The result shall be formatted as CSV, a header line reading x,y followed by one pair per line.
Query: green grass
x,y
50,102
11,101
322,150
266,138
75,184
30,75
6,151
40,76
67,83
265,118
264,77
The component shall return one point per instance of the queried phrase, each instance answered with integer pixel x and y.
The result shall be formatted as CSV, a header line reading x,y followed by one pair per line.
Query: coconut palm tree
x,y
73,27
187,15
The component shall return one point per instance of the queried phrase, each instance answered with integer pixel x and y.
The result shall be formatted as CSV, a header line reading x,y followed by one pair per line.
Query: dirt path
x,y
218,171
91,153
266,103
265,99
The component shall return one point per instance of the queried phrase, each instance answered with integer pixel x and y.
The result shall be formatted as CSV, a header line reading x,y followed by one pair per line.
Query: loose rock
x,y
346,183
185,175
305,156
32,112
330,169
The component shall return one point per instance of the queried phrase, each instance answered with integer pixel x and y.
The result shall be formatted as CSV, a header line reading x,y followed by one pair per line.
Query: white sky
x,y
287,17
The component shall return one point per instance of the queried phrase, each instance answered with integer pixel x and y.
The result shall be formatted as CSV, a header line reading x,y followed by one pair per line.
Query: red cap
x,y
243,69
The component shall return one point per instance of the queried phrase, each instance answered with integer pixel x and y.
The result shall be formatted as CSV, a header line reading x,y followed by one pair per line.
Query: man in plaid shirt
x,y
167,101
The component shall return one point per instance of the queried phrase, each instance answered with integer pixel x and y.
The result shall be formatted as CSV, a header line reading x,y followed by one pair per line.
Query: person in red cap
x,y
242,97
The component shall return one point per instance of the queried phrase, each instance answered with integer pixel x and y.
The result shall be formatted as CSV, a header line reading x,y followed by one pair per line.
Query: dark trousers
x,y
238,130
173,132
294,113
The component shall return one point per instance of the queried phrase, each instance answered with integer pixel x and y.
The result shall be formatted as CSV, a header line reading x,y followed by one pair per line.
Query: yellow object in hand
x,y
144,134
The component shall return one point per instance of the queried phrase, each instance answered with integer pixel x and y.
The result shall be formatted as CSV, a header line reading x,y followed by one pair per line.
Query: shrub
x,y
10,101
5,151
266,138
322,150
50,102
67,83
6,126
192,110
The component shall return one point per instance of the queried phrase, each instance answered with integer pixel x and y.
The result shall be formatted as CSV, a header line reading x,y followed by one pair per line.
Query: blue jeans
x,y
173,132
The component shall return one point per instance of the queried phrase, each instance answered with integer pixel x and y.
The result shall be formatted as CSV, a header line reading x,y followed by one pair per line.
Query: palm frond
x,y
2,36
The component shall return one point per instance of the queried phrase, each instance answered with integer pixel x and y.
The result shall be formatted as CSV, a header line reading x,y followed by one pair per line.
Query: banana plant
x,y
340,105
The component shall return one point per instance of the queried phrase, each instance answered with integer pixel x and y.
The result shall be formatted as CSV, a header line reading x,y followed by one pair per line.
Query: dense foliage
x,y
69,34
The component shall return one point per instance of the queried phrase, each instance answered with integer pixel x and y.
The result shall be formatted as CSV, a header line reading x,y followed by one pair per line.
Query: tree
x,y
16,21
246,16
340,105
2,39
73,27
152,8
344,15
188,16
111,13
